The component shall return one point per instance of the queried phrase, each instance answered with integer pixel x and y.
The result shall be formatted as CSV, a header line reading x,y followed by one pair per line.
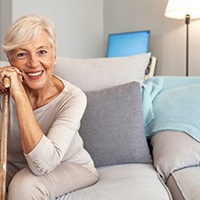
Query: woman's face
x,y
36,61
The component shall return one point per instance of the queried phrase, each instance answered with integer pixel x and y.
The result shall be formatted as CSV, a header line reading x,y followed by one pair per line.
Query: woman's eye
x,y
22,55
41,52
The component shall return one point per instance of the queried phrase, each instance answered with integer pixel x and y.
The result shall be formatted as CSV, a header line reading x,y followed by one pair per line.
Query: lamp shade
x,y
178,9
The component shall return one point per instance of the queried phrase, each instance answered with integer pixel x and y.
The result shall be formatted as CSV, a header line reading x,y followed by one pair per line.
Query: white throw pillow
x,y
100,73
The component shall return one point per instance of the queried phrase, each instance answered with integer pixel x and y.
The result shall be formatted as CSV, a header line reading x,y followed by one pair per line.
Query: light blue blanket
x,y
172,103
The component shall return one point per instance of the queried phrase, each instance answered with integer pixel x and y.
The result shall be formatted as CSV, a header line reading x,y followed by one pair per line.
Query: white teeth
x,y
35,74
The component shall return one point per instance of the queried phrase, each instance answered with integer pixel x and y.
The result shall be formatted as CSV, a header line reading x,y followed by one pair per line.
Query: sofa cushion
x,y
3,63
174,150
185,183
132,181
99,73
112,126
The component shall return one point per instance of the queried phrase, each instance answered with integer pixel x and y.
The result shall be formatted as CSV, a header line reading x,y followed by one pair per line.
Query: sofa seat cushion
x,y
130,181
185,184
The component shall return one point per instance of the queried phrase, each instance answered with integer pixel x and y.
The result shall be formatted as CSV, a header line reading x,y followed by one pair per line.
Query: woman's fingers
x,y
2,75
8,72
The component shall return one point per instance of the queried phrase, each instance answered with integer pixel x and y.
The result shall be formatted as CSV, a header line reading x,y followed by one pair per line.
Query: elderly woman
x,y
44,146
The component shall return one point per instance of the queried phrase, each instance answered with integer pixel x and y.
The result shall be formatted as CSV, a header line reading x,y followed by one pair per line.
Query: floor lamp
x,y
184,9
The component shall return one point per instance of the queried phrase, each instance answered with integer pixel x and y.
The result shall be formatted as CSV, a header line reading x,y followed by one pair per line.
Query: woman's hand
x,y
15,76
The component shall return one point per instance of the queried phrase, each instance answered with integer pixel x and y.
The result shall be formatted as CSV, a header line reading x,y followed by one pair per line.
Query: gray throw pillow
x,y
112,126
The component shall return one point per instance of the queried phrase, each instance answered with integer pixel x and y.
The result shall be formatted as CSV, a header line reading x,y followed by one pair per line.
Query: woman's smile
x,y
34,75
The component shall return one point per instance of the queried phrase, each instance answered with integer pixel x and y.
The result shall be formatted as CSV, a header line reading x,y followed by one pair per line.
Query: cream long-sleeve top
x,y
61,142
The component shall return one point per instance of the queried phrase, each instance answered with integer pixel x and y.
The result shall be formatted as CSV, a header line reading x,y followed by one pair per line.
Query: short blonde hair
x,y
25,29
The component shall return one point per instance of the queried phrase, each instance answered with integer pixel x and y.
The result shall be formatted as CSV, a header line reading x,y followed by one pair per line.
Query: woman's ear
x,y
54,58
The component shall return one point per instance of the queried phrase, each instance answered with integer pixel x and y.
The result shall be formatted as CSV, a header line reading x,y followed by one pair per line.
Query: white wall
x,y
79,24
5,20
83,26
168,36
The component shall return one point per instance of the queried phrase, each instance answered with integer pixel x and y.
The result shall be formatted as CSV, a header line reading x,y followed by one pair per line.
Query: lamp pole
x,y
187,21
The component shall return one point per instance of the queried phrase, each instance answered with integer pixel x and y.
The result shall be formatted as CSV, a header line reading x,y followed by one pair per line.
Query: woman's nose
x,y
33,60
